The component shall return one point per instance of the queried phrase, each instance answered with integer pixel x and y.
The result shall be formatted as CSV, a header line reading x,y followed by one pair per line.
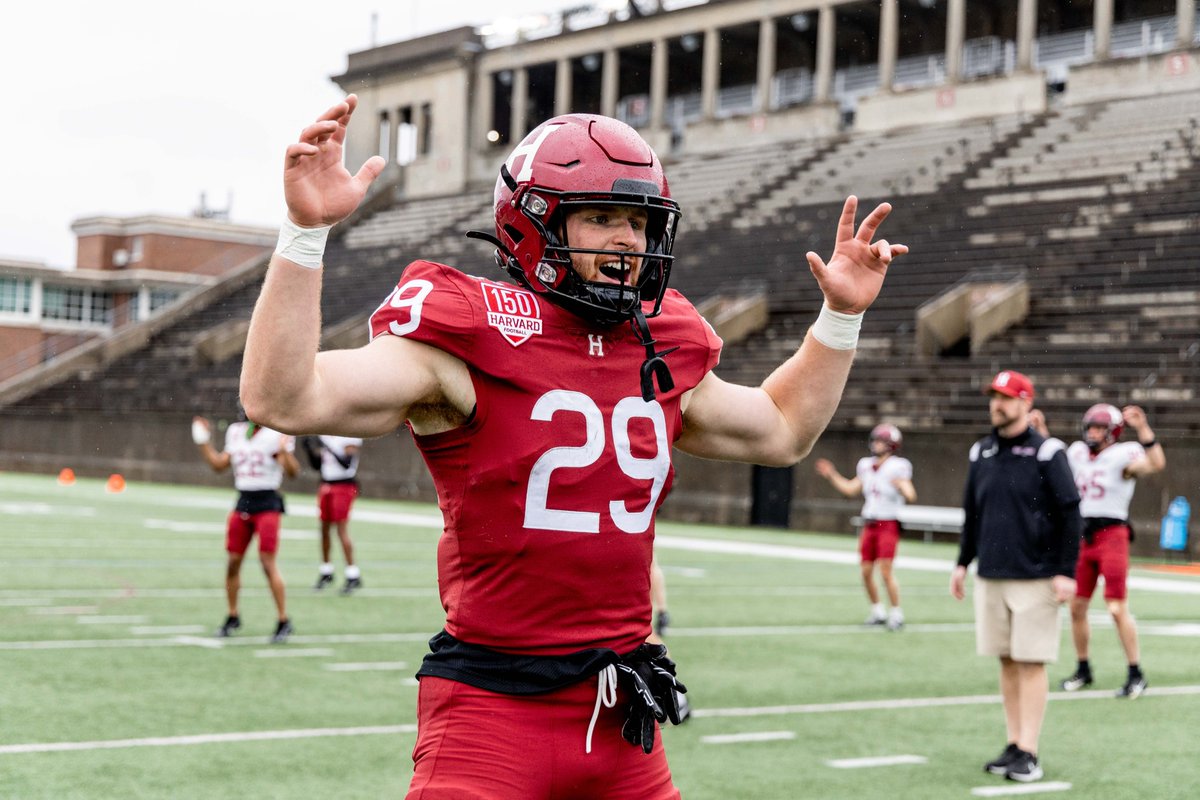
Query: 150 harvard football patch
x,y
513,312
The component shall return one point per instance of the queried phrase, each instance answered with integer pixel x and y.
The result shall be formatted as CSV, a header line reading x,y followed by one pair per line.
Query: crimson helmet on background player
x,y
568,162
888,434
1103,415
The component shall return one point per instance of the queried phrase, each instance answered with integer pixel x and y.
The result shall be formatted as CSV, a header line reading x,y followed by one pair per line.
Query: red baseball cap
x,y
1011,383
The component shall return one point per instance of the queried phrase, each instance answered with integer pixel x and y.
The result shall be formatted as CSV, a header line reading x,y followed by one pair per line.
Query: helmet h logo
x,y
528,151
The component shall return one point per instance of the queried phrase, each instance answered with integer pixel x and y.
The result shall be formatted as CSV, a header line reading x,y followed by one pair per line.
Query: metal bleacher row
x,y
1094,205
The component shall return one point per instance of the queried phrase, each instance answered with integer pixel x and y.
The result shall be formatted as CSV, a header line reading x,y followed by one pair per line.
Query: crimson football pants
x,y
473,744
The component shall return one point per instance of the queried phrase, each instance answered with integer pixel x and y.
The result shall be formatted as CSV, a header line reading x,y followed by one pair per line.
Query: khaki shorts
x,y
1018,619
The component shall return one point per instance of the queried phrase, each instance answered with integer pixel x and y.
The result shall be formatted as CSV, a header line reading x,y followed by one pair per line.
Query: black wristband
x,y
1149,444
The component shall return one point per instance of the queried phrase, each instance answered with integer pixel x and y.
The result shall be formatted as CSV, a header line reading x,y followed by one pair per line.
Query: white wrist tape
x,y
303,246
836,330
200,433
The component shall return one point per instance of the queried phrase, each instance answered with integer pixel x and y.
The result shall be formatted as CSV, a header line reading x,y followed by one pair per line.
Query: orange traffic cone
x,y
115,485
66,477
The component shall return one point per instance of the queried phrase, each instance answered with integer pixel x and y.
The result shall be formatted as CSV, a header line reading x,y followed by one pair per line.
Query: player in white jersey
x,y
336,457
884,479
1106,471
260,457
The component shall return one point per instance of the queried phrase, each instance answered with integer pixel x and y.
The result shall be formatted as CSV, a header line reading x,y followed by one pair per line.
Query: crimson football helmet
x,y
568,162
1108,417
888,434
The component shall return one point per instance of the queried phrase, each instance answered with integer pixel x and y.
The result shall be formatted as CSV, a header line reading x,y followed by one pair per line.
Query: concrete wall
x,y
1177,71
159,449
990,97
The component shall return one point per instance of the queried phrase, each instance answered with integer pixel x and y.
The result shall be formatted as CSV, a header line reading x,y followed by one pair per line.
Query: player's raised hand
x,y
317,186
1134,417
854,275
823,467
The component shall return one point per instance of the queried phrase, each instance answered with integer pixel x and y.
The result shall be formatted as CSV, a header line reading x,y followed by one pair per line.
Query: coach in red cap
x,y
1021,520
1011,383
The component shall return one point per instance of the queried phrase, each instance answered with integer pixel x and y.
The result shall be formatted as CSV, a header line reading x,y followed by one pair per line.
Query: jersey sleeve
x,y
1134,451
904,469
433,304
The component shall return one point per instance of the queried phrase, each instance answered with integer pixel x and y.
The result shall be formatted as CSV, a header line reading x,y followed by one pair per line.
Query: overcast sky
x,y
136,106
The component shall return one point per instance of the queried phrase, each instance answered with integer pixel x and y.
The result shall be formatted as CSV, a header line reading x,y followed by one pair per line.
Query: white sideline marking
x,y
366,666
875,761
794,553
205,738
112,620
24,601
1028,788
738,738
821,630
919,702
163,630
292,652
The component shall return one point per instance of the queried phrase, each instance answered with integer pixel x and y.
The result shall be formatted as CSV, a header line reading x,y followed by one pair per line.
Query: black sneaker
x,y
1024,768
1080,680
1133,688
351,585
322,582
662,623
227,628
282,631
1000,765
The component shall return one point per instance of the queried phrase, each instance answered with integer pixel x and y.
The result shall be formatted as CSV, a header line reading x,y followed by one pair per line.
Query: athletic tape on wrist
x,y
302,246
836,330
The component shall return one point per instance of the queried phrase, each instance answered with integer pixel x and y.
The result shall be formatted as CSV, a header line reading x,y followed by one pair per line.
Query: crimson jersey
x,y
549,491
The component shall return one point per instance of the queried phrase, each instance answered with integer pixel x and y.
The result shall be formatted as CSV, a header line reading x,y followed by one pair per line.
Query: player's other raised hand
x,y
317,186
854,275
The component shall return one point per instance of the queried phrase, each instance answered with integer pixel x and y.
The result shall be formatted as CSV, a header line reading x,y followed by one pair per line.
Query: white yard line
x,y
875,761
1011,789
62,611
233,641
206,738
366,666
740,738
136,619
165,630
294,652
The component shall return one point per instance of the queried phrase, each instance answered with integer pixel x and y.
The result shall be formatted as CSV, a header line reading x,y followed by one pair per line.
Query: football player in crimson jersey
x,y
545,409
260,458
884,479
1106,471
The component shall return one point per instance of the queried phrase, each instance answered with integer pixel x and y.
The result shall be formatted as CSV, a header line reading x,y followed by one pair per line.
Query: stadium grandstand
x,y
1041,155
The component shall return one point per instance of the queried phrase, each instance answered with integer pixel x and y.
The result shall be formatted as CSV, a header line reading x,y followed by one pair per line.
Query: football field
x,y
112,685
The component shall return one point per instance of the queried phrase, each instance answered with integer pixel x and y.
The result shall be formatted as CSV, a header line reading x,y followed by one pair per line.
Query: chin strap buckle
x,y
654,366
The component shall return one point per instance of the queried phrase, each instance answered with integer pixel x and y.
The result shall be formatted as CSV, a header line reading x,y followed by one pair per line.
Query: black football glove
x,y
650,678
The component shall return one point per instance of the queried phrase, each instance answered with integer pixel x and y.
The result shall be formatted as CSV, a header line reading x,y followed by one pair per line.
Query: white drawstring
x,y
606,694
